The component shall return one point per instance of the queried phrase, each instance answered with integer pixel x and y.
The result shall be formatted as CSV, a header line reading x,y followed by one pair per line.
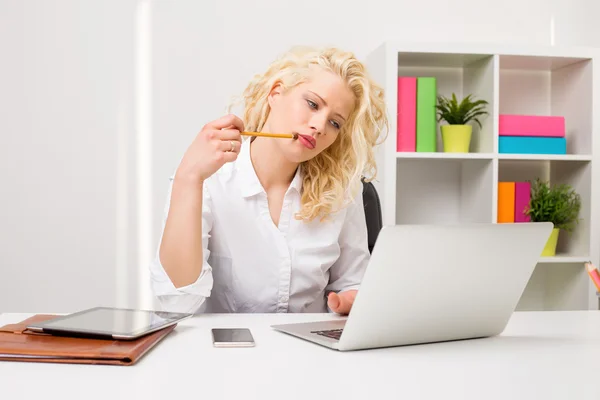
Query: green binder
x,y
426,114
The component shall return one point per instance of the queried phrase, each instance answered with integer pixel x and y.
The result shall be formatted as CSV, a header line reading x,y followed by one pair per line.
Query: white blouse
x,y
253,266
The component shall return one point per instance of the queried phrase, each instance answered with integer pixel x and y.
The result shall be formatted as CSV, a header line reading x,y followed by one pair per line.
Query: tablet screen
x,y
110,320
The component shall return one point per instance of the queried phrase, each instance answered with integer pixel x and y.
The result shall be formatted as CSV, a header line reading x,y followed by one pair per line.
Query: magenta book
x,y
407,114
531,125
522,196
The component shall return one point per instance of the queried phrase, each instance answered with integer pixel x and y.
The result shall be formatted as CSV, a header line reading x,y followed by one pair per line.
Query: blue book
x,y
532,145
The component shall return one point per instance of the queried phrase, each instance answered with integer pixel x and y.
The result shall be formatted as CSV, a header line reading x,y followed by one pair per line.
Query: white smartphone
x,y
232,337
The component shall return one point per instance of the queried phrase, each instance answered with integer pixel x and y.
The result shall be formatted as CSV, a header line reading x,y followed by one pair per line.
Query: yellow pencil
x,y
272,135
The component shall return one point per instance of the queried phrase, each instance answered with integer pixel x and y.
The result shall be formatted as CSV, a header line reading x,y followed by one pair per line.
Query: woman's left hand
x,y
341,303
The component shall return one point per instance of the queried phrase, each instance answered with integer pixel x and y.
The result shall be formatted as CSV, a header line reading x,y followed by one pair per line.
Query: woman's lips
x,y
307,141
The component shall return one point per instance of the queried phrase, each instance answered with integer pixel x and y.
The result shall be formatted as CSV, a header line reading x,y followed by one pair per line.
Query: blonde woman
x,y
269,224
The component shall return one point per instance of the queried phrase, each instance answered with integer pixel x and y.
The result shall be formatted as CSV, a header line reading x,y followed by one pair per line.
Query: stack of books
x,y
416,114
532,134
513,201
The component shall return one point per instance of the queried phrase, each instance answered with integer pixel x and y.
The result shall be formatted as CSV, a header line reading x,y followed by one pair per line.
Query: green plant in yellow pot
x,y
557,203
456,136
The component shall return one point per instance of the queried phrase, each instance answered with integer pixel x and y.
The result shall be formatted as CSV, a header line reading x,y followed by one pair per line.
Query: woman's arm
x,y
181,276
181,265
181,247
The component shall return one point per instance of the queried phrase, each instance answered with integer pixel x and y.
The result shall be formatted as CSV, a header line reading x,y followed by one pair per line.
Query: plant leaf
x,y
460,113
557,203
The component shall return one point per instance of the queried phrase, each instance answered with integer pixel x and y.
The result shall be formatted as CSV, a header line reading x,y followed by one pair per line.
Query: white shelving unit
x,y
461,188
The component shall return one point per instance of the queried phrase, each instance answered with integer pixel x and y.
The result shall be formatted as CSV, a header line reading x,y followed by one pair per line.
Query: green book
x,y
426,114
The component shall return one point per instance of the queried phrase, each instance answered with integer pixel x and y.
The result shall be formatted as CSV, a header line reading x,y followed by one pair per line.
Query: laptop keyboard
x,y
330,333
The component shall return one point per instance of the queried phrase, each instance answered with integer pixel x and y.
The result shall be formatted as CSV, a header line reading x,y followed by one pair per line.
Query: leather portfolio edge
x,y
139,347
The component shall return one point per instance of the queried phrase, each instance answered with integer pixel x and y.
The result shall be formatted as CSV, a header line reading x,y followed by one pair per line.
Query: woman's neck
x,y
272,169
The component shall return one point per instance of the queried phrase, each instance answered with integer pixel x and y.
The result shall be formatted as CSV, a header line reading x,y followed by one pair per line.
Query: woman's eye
x,y
314,105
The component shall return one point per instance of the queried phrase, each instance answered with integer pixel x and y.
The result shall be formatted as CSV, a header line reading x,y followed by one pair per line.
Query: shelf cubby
x,y
444,191
556,287
459,74
550,86
575,173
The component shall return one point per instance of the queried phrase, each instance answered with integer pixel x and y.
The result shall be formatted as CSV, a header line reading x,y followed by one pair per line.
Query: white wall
x,y
99,99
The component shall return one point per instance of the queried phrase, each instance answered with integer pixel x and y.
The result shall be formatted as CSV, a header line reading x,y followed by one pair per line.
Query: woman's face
x,y
315,110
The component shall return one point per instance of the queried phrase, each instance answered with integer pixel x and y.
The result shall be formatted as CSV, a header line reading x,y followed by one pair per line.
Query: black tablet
x,y
109,323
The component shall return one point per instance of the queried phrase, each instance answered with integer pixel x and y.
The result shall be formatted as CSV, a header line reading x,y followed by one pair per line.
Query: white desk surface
x,y
540,355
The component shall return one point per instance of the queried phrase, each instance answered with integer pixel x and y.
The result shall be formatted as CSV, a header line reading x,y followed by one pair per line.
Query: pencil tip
x,y
589,266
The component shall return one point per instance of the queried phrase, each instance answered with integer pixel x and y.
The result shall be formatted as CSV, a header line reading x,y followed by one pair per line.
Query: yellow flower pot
x,y
550,248
456,138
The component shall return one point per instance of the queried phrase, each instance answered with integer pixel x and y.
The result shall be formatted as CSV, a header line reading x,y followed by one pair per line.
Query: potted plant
x,y
557,203
456,136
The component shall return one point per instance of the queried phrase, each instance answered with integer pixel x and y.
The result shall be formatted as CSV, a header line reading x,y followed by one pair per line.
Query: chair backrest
x,y
373,216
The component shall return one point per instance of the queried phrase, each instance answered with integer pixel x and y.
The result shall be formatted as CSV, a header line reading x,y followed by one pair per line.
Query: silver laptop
x,y
433,283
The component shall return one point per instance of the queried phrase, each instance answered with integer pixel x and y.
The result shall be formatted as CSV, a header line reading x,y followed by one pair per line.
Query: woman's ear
x,y
276,90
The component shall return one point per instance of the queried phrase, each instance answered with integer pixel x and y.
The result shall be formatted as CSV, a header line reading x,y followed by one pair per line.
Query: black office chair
x,y
373,216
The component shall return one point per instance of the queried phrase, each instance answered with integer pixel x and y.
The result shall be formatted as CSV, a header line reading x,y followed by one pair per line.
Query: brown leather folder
x,y
17,343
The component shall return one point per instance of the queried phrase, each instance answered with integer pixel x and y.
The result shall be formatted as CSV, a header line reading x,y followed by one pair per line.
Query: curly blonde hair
x,y
333,177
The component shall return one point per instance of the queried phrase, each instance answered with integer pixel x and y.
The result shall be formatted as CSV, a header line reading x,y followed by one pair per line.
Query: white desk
x,y
552,355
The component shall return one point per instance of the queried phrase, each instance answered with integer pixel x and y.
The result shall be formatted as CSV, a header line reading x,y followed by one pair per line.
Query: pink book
x,y
531,125
522,196
407,114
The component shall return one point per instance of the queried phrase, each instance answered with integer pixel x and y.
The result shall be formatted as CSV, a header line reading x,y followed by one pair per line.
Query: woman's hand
x,y
217,143
341,303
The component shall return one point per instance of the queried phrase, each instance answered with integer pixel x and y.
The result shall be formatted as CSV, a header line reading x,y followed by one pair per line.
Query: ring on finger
x,y
232,146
